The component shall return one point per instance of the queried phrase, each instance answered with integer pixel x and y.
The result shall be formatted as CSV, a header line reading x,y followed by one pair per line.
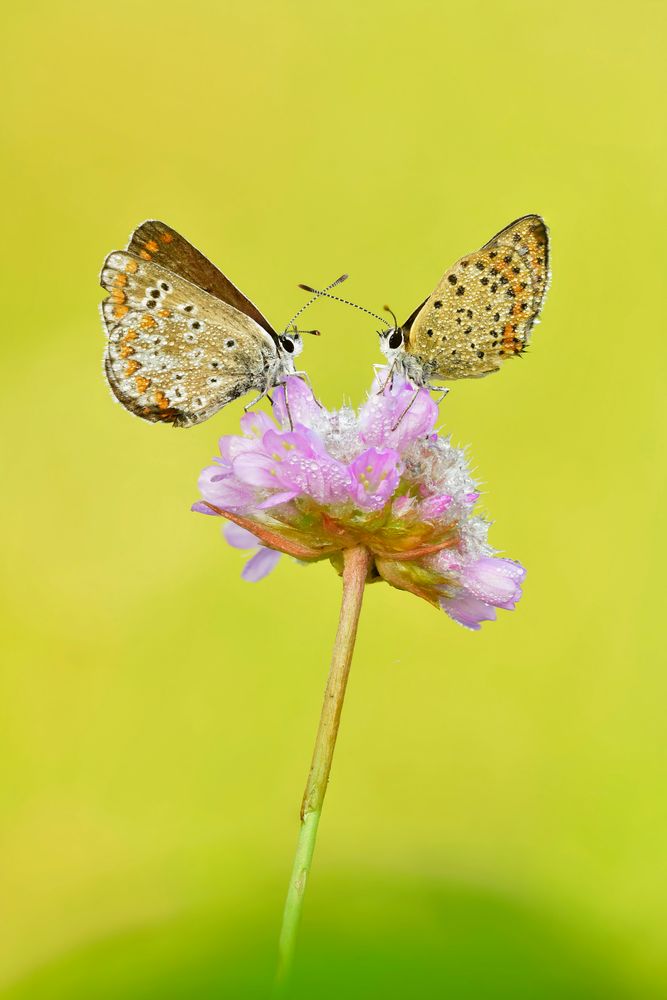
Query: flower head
x,y
311,483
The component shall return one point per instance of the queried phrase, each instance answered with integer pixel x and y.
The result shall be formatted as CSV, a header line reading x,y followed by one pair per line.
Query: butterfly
x,y
183,341
481,312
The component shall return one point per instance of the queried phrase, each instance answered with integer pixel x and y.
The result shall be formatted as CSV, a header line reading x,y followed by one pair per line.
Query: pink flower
x,y
311,483
396,416
374,477
486,584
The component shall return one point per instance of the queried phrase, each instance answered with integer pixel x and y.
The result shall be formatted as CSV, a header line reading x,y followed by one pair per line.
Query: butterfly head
x,y
391,339
292,344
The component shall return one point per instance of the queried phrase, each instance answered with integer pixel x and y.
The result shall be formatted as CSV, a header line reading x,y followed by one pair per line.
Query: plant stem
x,y
356,563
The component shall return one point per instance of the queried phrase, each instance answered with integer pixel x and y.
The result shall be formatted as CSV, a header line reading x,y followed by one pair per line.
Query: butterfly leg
x,y
443,390
407,408
389,379
289,412
258,399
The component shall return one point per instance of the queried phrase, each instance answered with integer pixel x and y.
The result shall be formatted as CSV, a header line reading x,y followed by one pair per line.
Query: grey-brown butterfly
x,y
481,312
183,341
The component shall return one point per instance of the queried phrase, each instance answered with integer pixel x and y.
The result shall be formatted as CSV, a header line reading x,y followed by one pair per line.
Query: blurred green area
x,y
496,820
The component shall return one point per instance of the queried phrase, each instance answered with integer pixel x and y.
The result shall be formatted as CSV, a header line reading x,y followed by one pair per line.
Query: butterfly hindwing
x,y
529,236
175,353
484,307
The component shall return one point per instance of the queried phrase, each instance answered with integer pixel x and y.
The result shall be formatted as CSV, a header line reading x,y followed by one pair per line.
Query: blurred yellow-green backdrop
x,y
496,820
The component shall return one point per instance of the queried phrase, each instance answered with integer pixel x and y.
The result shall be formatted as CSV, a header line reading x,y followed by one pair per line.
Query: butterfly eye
x,y
288,345
396,339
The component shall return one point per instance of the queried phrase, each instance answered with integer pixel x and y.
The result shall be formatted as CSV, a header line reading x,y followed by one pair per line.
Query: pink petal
x,y
239,537
497,581
256,423
302,406
434,507
468,611
201,508
277,498
281,443
398,416
232,445
257,469
223,489
415,422
260,565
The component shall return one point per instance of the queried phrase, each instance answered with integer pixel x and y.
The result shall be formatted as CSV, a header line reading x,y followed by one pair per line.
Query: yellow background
x,y
496,820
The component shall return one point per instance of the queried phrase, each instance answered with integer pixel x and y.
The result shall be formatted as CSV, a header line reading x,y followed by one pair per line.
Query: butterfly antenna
x,y
345,302
392,314
315,297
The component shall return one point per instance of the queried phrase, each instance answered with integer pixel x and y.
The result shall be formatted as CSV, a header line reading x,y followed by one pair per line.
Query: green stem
x,y
356,562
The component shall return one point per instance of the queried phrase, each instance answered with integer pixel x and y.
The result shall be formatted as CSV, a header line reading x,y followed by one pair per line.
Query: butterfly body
x,y
481,312
183,341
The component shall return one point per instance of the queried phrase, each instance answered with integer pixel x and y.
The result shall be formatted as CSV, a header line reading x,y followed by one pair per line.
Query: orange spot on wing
x,y
126,350
147,322
164,312
120,280
117,295
508,337
145,255
166,237
131,267
161,400
152,246
121,311
131,367
511,343
130,335
142,384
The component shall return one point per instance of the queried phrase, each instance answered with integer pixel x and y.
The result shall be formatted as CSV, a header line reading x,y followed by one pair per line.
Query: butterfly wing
x,y
176,354
157,242
485,306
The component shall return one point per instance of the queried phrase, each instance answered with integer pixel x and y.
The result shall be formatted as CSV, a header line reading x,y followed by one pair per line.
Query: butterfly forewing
x,y
156,242
484,307
175,353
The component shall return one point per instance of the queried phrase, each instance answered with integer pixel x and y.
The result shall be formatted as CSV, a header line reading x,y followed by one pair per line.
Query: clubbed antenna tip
x,y
315,297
